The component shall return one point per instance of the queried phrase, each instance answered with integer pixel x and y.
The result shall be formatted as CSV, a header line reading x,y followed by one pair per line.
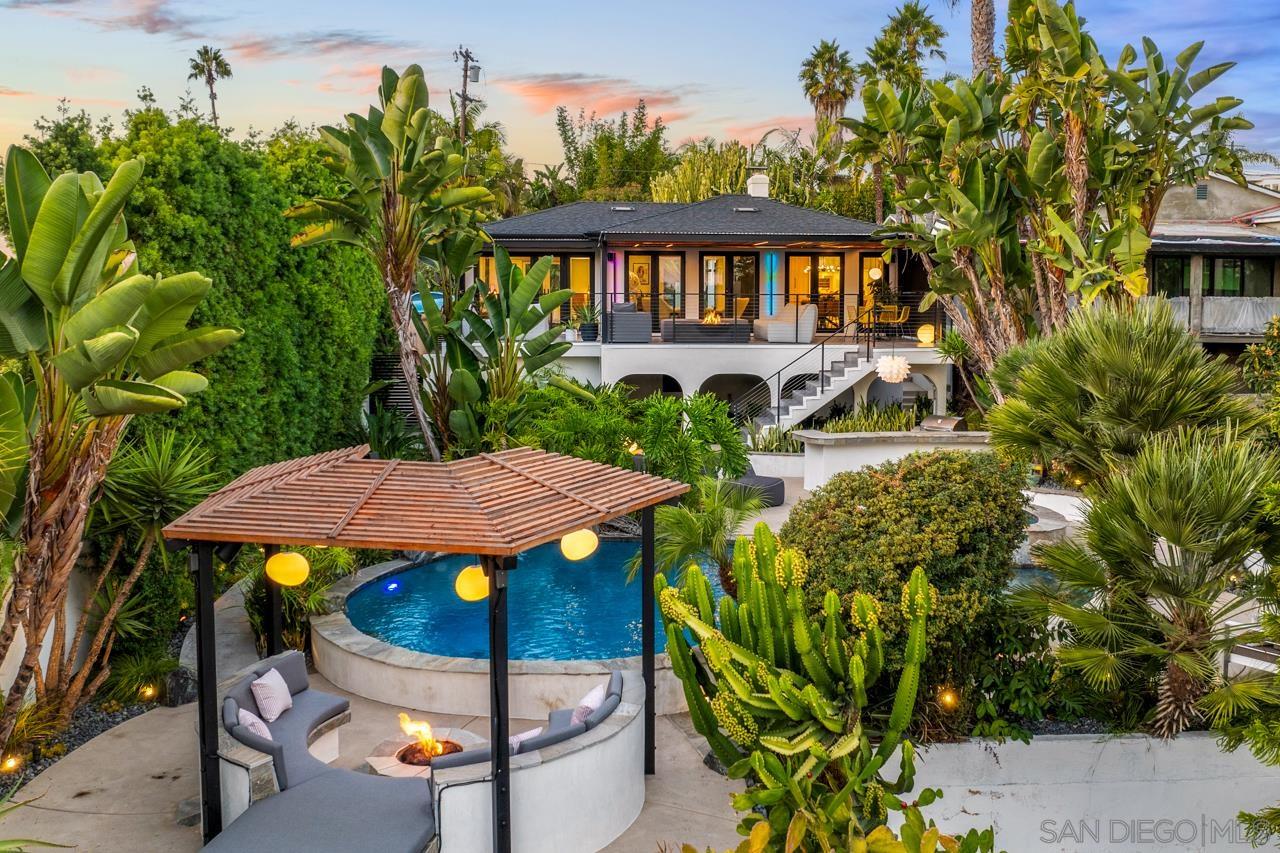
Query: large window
x,y
487,268
817,279
656,280
1171,276
730,286
1238,276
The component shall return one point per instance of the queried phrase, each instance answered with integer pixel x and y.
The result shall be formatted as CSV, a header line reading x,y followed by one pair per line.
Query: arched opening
x,y
647,384
744,392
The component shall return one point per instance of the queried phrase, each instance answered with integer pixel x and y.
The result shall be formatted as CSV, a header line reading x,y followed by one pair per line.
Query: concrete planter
x,y
778,464
829,453
1086,793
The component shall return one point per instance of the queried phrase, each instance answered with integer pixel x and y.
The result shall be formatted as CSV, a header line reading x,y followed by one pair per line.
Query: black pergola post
x,y
275,610
646,642
207,690
499,706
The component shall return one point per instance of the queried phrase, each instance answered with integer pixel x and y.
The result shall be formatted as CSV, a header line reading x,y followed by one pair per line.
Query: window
x,y
656,280
579,282
487,268
818,279
670,286
1238,276
1171,276
715,285
730,286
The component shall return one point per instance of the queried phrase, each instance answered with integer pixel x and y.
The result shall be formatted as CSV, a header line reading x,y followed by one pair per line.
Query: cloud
x,y
156,17
317,44
93,74
594,93
749,134
10,92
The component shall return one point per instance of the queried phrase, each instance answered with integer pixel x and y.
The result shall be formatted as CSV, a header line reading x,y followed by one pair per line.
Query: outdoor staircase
x,y
839,375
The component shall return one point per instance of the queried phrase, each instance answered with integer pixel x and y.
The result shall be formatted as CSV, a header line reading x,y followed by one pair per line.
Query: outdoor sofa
x,y
772,490
318,807
629,326
786,328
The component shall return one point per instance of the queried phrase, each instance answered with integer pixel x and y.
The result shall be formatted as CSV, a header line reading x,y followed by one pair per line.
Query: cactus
x,y
783,692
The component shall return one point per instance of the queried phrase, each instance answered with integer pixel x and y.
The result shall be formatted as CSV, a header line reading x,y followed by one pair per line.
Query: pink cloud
x,y
593,93
749,134
93,74
10,92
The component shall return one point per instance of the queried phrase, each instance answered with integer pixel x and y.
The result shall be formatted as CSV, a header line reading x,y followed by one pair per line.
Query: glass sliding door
x,y
715,285
746,289
670,286
731,286
1172,276
813,278
579,284
655,283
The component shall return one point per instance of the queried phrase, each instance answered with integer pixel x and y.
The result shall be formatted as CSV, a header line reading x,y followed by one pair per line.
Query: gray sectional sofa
x,y
319,807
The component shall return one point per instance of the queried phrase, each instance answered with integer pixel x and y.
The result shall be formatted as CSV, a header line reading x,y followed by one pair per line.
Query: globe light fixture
x,y
11,764
893,369
288,568
875,273
948,699
926,334
579,544
634,449
471,584
148,692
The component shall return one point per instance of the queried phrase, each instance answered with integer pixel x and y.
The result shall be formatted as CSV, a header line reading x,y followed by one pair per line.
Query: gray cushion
x,y
241,697
549,738
624,308
561,718
462,759
292,666
615,684
291,729
337,810
606,708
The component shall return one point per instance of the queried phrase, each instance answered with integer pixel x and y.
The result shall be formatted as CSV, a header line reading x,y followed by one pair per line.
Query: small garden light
x,y
634,449
148,692
288,568
11,764
925,334
579,544
948,699
471,584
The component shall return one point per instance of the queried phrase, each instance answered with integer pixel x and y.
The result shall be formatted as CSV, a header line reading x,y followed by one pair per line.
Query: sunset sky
x,y
724,69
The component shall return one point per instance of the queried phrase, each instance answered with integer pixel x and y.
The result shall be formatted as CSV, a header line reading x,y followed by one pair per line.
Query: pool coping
x,y
337,628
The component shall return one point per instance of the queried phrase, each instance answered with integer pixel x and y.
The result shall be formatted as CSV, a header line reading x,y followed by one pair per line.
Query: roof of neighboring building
x,y
1200,236
720,218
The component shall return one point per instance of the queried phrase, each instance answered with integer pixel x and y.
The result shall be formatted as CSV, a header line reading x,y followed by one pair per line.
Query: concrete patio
x,y
124,791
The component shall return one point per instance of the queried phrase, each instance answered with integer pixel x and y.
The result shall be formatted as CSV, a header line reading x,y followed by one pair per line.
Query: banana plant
x,y
496,343
781,695
402,191
103,342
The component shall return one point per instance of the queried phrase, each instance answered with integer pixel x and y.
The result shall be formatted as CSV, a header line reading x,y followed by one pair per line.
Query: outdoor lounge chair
x,y
629,326
784,327
773,491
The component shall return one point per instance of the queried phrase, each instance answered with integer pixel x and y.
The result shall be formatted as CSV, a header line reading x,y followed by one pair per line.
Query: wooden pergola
x,y
494,506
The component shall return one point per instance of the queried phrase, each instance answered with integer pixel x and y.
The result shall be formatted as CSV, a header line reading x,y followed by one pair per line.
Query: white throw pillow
x,y
272,695
253,724
588,703
516,740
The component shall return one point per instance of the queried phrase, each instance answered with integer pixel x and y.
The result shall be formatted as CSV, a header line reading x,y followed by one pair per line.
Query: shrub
x,y
876,417
956,514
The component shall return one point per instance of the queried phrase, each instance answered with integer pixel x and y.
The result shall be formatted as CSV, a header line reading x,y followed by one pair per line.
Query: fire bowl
x,y
386,758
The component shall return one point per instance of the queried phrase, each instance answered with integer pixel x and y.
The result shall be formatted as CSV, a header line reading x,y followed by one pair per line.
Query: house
x,y
781,310
1214,253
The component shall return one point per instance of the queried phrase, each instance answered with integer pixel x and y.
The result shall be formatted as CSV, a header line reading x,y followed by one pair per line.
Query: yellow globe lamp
x,y
471,584
288,568
634,449
949,699
926,334
579,544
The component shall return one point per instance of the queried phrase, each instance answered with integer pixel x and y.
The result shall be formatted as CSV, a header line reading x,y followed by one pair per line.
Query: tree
x,y
103,343
613,160
829,82
209,66
918,36
1090,396
402,193
982,34
1145,596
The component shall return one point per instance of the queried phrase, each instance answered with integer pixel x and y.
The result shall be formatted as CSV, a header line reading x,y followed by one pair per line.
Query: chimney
x,y
758,185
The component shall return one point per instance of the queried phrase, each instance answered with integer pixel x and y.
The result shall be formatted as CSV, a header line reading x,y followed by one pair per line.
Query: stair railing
x,y
769,391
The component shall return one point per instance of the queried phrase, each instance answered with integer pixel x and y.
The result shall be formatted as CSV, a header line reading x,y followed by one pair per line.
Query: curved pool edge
x,y
369,667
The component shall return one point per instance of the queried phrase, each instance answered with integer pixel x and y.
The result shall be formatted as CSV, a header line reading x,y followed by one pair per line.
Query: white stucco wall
x,y
1087,793
828,454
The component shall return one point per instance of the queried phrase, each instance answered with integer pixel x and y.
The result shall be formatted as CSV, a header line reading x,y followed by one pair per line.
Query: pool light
x,y
471,584
579,544
392,586
288,568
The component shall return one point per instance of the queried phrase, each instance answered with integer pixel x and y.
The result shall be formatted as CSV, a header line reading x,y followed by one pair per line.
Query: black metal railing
x,y
770,393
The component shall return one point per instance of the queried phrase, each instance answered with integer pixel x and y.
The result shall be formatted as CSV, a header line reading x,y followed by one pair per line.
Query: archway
x,y
647,384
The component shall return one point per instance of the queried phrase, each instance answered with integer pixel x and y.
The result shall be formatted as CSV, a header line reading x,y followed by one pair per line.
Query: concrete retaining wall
x,y
829,453
778,464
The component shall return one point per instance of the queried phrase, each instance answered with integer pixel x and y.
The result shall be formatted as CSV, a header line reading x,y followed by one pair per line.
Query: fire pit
x,y
410,753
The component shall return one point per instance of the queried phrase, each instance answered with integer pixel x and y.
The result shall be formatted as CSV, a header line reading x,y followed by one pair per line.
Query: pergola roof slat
x,y
496,504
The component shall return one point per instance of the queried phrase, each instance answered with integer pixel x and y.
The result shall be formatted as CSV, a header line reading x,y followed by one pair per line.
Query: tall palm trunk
x,y
877,177
982,32
213,100
406,340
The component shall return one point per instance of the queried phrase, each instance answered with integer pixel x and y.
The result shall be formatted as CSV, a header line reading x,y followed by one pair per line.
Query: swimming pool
x,y
559,610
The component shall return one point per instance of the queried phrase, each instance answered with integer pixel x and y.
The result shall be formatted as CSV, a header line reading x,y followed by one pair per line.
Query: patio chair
x,y
629,326
772,490
788,327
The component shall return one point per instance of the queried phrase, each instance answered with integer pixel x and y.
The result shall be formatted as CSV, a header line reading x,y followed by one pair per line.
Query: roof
x,y
1200,236
720,218
497,504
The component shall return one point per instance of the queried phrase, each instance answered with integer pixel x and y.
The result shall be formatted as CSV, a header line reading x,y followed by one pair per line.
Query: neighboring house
x,y
739,295
1214,254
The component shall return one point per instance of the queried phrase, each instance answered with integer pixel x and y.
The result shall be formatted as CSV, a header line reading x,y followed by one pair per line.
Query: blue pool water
x,y
558,610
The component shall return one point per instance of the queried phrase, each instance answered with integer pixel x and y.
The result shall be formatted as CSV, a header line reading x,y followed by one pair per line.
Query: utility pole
x,y
470,74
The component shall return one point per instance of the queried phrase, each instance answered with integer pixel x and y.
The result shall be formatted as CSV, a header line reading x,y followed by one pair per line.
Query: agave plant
x,y
103,343
402,191
1144,596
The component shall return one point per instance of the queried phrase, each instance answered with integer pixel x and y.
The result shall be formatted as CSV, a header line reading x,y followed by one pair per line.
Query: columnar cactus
x,y
767,682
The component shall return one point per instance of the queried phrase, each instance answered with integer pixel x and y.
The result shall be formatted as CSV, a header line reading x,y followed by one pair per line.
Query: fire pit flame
x,y
712,318
425,747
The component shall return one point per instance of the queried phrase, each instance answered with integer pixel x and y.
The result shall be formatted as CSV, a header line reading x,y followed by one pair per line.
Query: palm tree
x,y
982,33
209,65
829,81
703,528
918,36
401,191
1145,597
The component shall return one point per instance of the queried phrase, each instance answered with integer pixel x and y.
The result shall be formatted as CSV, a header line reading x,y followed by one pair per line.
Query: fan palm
x,y
918,36
829,81
1145,596
401,192
1089,396
209,66
702,529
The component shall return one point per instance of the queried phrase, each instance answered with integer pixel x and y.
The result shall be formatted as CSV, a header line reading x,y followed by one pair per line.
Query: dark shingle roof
x,y
726,217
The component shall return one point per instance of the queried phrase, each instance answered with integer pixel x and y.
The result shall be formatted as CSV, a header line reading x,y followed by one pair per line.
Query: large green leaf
x,y
329,231
169,307
91,360
77,280
183,382
464,196
410,95
52,234
25,183
115,306
118,397
22,327
185,348
13,445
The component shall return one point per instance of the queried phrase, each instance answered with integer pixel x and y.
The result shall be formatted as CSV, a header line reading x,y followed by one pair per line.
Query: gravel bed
x,y
86,724
1083,726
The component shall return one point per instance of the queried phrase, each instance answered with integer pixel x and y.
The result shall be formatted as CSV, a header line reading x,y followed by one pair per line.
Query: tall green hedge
x,y
292,385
